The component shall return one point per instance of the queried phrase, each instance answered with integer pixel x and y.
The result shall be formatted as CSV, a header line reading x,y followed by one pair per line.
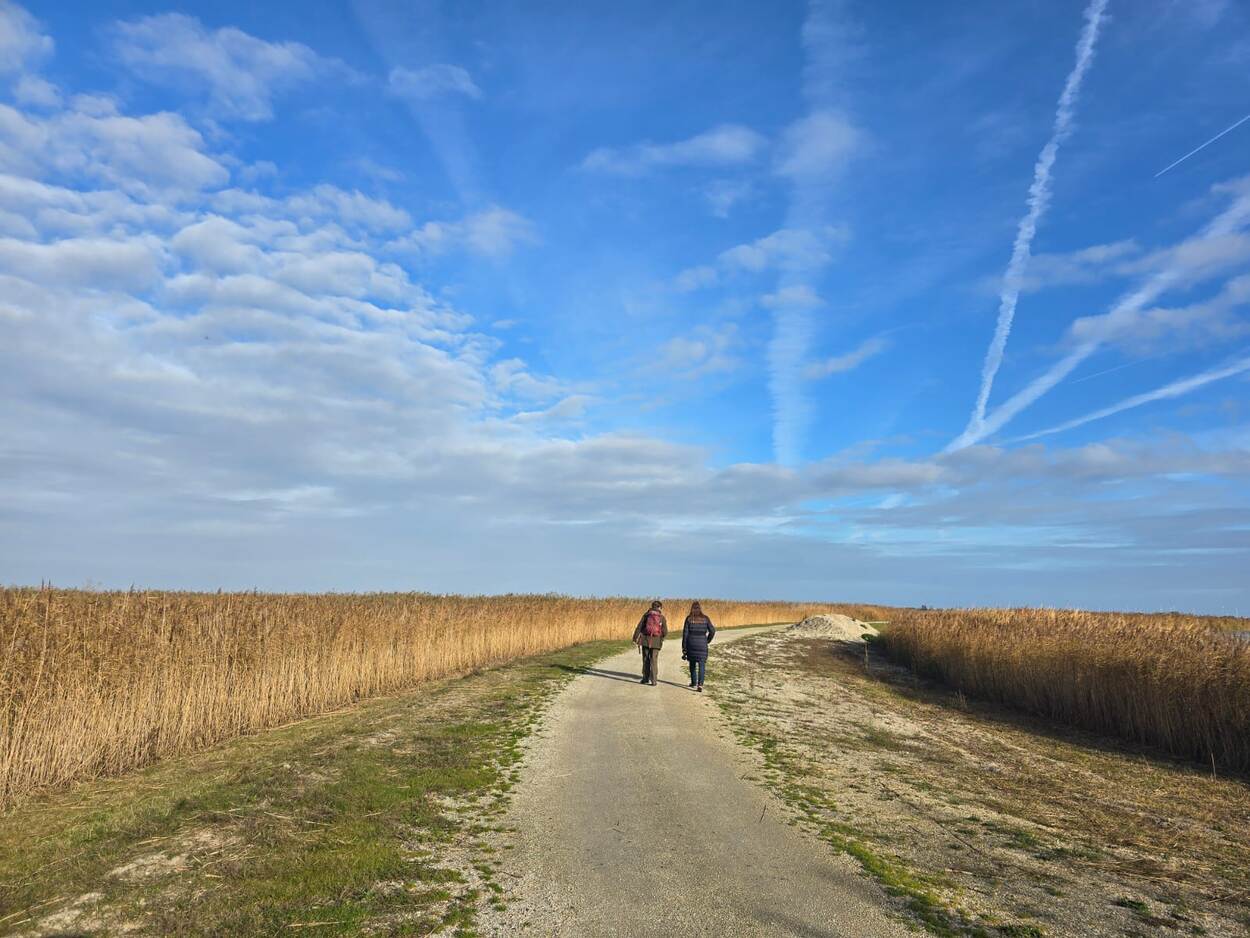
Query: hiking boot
x,y
644,681
700,688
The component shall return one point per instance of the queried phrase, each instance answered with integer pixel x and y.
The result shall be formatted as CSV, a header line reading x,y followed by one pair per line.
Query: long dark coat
x,y
695,636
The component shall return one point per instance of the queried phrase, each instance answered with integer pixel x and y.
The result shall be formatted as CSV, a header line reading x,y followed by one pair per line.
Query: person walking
x,y
697,632
649,637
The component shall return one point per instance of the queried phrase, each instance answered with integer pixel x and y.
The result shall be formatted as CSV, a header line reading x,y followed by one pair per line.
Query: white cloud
x,y
726,145
155,152
1168,391
1086,265
706,350
723,194
1145,331
816,148
571,408
493,232
787,249
1195,259
218,245
240,73
132,264
33,91
353,208
513,377
432,81
696,278
1184,264
794,296
23,43
848,362
795,252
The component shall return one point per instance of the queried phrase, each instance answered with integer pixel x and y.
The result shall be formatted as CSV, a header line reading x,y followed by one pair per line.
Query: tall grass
x,y
1180,683
98,683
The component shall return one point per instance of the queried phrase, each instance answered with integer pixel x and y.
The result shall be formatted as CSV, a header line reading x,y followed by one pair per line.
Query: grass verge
x,y
377,819
983,821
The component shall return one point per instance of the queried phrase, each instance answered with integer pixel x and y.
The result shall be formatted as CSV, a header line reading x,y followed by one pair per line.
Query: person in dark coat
x,y
651,643
696,634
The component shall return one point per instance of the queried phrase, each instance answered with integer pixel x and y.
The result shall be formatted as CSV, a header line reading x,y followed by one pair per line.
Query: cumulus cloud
x,y
432,81
33,91
353,208
150,153
240,73
726,145
23,43
492,232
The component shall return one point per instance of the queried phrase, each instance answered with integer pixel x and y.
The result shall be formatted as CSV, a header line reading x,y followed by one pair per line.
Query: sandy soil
x,y
1016,825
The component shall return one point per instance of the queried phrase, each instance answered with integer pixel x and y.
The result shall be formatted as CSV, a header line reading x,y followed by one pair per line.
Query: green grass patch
x,y
369,817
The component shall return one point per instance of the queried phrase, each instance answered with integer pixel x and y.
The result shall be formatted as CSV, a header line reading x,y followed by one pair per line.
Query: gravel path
x,y
632,818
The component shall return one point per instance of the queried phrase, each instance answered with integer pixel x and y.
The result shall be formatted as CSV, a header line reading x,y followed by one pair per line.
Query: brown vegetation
x,y
98,683
1177,682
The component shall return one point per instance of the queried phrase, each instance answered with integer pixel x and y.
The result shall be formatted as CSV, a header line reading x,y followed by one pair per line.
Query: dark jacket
x,y
650,641
695,636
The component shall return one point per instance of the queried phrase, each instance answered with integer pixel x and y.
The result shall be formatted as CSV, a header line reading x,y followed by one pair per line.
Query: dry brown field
x,y
99,683
1177,682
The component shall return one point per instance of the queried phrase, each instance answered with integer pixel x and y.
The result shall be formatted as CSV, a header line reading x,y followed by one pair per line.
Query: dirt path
x,y
632,817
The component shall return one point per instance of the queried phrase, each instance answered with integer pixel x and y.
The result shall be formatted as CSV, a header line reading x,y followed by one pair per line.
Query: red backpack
x,y
652,628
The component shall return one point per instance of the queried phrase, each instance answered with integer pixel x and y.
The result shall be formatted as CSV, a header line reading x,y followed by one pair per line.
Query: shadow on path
x,y
635,678
600,672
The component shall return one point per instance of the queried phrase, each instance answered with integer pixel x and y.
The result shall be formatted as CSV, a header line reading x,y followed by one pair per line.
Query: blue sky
x,y
683,299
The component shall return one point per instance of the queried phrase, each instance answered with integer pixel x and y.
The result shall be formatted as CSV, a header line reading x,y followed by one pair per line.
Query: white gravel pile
x,y
838,627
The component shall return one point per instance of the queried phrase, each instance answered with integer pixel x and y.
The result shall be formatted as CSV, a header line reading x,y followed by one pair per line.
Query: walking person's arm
x,y
684,645
711,631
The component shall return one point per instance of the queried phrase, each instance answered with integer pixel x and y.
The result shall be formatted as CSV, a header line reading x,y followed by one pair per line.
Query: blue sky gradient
x,y
684,299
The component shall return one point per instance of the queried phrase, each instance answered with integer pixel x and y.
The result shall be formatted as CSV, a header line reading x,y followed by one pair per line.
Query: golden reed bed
x,y
1180,683
98,683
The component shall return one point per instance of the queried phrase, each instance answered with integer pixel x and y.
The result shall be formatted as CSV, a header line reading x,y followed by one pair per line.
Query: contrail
x,y
1039,199
1112,370
1233,218
1175,389
792,335
1203,147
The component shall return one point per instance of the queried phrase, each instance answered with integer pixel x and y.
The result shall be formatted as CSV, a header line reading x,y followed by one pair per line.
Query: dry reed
x,y
99,683
1180,683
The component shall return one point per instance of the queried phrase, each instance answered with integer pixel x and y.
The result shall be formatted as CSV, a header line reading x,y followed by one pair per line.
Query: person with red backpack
x,y
649,637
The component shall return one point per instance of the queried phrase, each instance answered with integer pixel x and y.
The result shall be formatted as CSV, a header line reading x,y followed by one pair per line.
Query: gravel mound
x,y
839,627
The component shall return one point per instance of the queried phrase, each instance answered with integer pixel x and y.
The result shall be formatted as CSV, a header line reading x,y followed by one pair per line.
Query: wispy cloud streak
x,y
1174,389
1231,219
1038,201
811,154
1203,146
